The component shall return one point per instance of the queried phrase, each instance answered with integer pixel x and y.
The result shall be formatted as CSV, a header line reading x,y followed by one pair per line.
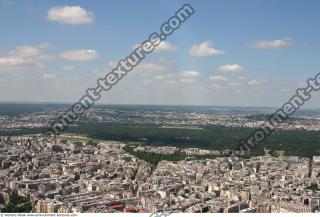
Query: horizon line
x,y
132,104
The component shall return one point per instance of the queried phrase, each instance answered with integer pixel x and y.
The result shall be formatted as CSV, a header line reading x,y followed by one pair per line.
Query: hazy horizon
x,y
172,105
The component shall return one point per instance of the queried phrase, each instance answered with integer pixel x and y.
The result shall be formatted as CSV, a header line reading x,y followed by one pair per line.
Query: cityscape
x,y
159,108
76,173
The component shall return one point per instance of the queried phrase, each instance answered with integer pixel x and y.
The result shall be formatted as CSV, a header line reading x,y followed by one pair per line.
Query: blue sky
x,y
266,49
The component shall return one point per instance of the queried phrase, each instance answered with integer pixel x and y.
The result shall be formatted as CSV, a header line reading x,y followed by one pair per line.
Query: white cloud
x,y
254,83
204,49
151,68
164,76
218,78
80,55
163,46
148,68
23,56
166,46
69,68
70,15
48,76
187,81
158,66
188,74
273,44
185,77
230,68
